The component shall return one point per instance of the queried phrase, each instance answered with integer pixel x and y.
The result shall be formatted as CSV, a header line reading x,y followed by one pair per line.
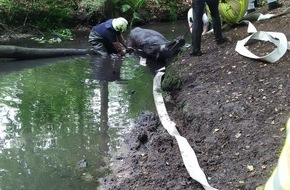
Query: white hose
x,y
187,153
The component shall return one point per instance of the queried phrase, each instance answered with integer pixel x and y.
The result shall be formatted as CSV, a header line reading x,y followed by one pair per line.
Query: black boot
x,y
256,3
196,53
274,5
221,41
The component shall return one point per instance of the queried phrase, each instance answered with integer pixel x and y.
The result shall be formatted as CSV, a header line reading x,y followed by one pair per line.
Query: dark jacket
x,y
108,33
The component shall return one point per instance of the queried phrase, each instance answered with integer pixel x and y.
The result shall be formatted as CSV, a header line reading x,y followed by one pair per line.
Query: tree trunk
x,y
16,52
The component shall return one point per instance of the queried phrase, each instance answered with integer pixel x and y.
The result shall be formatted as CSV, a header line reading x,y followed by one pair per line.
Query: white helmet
x,y
120,24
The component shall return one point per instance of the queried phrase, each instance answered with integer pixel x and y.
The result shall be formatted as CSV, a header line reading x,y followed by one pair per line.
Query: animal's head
x,y
171,48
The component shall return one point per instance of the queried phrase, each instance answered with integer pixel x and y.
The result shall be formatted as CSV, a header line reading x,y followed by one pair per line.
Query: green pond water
x,y
54,113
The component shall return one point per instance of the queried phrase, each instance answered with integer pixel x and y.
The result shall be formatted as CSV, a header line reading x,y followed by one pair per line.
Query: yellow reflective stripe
x,y
284,166
288,128
280,178
270,183
276,181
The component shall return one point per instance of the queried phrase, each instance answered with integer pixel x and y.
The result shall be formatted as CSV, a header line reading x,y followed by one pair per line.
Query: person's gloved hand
x,y
129,50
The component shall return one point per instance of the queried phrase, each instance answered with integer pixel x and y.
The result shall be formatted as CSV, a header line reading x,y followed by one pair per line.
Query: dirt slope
x,y
231,109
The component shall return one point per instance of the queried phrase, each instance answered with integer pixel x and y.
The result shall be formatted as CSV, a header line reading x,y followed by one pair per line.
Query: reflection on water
x,y
172,30
54,115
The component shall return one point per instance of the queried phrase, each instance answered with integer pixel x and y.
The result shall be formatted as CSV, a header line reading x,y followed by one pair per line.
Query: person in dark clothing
x,y
198,9
106,38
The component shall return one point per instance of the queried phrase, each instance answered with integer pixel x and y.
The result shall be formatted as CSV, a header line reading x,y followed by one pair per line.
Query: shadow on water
x,y
107,68
9,66
60,119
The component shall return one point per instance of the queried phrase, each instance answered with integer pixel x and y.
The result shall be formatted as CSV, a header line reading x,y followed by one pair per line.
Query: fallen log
x,y
17,52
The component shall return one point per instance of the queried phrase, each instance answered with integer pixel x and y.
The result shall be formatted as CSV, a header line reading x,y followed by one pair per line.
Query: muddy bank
x,y
148,159
232,110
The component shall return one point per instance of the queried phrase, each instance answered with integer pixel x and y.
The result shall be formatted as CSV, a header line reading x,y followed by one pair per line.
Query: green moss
x,y
171,80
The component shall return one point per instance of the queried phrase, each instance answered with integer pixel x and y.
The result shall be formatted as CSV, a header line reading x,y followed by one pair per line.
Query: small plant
x,y
91,5
172,10
54,40
39,40
42,40
132,7
60,35
64,33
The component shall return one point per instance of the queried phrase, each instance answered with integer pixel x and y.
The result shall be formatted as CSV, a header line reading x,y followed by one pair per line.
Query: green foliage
x,y
172,10
42,40
8,10
132,7
64,33
58,13
43,13
61,34
91,5
5,4
55,14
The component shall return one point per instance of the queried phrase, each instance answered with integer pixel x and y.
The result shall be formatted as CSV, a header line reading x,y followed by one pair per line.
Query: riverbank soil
x,y
230,108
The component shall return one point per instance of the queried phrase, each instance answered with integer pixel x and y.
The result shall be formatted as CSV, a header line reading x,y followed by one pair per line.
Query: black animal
x,y
153,45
